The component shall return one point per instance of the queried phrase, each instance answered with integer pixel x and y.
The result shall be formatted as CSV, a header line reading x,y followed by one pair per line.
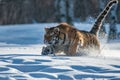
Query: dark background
x,y
44,11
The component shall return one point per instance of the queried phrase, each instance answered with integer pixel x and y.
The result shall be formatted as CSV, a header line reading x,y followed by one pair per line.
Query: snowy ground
x,y
20,58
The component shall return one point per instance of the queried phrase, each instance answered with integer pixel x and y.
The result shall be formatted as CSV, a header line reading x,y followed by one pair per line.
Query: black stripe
x,y
64,37
57,37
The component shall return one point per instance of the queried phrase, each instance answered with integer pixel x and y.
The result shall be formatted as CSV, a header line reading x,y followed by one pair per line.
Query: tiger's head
x,y
54,36
51,35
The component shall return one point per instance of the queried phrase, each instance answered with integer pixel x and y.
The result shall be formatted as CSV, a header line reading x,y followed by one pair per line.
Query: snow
x,y
21,59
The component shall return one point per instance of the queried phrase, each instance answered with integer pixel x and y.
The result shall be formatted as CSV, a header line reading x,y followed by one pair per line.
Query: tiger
x,y
68,39
64,42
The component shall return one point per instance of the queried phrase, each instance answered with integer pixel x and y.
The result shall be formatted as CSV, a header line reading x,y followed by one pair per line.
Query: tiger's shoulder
x,y
65,26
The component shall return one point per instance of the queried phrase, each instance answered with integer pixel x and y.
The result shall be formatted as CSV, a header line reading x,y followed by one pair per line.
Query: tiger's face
x,y
51,35
54,36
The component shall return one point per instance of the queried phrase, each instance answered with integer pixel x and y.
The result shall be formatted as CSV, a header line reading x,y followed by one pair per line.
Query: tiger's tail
x,y
96,27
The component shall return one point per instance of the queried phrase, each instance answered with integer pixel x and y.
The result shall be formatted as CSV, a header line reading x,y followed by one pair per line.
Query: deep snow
x,y
20,57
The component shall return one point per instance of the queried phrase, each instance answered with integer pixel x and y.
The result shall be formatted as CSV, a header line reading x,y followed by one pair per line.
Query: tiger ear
x,y
46,29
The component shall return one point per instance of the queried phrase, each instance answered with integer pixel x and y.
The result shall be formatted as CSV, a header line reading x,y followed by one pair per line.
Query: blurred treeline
x,y
37,11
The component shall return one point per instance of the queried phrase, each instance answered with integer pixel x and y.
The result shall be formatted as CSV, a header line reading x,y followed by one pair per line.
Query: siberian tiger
x,y
72,41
